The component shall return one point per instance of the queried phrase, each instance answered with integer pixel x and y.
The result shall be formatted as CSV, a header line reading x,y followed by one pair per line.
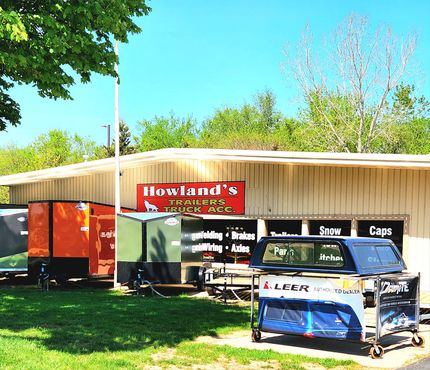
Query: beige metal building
x,y
387,194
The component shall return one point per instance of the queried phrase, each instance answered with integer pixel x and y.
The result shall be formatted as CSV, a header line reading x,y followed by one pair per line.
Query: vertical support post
x,y
117,168
305,227
261,228
378,310
252,301
417,308
354,227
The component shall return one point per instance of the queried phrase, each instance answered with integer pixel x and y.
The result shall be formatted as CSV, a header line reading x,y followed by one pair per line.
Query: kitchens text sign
x,y
221,198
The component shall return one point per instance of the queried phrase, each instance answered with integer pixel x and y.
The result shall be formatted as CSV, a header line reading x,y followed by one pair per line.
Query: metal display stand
x,y
377,351
393,302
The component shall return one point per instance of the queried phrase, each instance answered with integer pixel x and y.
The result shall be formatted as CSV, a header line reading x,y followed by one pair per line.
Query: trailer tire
x,y
200,283
43,283
256,335
61,279
136,286
376,351
418,341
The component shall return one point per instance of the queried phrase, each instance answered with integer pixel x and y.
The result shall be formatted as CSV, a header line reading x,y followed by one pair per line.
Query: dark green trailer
x,y
13,239
165,247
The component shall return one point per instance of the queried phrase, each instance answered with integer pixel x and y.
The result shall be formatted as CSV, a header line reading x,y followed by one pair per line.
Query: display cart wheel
x,y
418,340
256,335
376,351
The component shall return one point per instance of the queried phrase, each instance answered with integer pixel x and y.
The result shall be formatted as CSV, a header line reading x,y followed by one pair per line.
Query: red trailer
x,y
75,239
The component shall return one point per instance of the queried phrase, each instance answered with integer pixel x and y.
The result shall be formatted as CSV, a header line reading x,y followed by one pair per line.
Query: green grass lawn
x,y
98,329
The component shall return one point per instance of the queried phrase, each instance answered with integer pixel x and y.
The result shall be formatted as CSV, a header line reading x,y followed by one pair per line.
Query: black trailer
x,y
13,239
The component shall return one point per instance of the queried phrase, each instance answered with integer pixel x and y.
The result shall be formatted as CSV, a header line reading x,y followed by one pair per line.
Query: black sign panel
x,y
330,227
284,227
230,241
382,229
398,299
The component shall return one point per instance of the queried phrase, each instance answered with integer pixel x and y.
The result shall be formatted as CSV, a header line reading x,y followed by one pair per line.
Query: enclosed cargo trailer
x,y
161,247
13,239
74,239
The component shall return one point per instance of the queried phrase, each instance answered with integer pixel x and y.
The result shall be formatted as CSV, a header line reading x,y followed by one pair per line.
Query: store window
x,y
284,227
330,227
229,241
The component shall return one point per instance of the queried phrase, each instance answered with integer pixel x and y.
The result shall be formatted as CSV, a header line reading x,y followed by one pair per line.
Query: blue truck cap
x,y
323,254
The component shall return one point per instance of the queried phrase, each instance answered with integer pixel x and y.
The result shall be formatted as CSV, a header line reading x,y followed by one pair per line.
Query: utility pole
x,y
108,135
117,169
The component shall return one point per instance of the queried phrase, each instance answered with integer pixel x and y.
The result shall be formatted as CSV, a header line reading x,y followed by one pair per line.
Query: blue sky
x,y
193,57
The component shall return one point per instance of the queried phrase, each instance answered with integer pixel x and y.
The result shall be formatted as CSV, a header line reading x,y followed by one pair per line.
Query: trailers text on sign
x,y
284,227
217,198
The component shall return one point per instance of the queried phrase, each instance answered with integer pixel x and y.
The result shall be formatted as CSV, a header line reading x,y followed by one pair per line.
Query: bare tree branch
x,y
349,96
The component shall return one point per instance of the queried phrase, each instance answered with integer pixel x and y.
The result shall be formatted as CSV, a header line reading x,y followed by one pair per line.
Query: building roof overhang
x,y
394,161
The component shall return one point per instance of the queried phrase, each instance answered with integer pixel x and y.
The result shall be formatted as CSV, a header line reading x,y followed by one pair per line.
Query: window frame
x,y
301,265
394,249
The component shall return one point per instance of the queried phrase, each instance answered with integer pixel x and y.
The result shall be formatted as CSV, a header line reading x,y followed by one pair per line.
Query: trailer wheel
x,y
256,335
200,281
418,340
61,279
43,283
376,351
136,286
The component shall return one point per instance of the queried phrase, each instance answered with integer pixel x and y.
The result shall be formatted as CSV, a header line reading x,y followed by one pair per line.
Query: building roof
x,y
395,161
149,216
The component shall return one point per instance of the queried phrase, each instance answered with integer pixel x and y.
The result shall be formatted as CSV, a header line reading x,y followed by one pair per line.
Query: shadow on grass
x,y
87,321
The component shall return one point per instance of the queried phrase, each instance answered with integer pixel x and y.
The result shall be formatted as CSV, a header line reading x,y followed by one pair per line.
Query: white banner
x,y
344,290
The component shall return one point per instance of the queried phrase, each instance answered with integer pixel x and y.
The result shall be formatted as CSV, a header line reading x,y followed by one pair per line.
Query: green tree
x,y
13,160
290,135
57,148
41,42
252,126
53,149
409,131
16,160
348,88
4,195
407,105
125,146
345,123
165,132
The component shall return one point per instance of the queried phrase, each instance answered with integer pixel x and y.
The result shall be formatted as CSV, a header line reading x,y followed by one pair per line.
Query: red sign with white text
x,y
220,198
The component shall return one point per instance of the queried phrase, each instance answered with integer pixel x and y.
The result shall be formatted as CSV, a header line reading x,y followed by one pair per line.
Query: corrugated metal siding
x,y
294,191
271,190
